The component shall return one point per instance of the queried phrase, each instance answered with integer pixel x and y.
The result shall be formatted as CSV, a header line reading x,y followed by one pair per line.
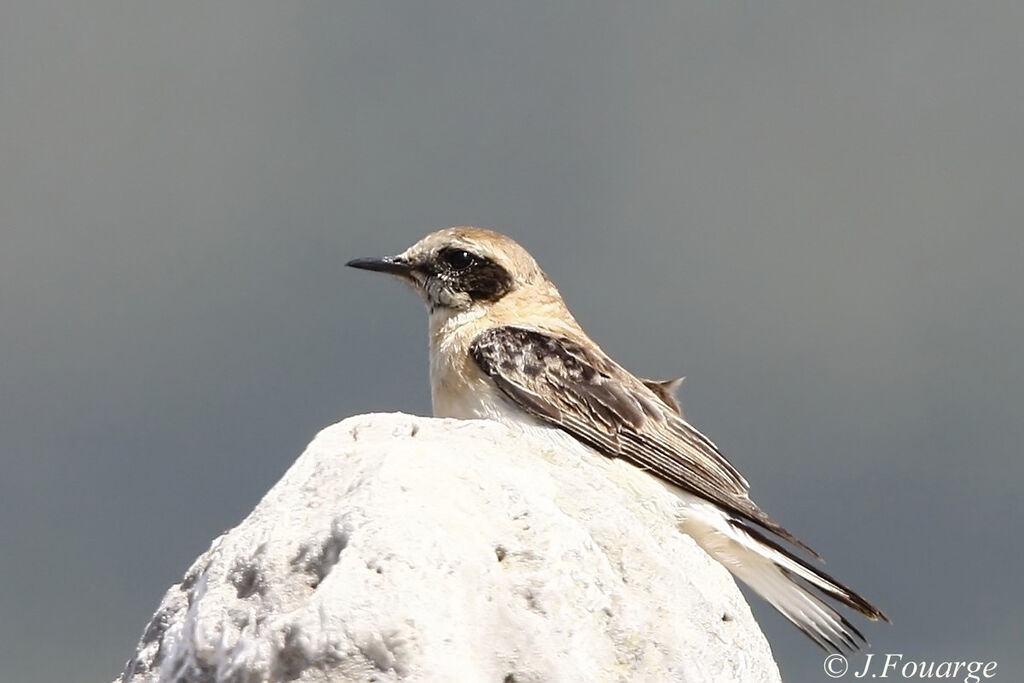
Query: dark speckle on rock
x,y
318,559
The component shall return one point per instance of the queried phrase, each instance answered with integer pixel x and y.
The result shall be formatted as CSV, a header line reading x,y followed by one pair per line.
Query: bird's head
x,y
460,269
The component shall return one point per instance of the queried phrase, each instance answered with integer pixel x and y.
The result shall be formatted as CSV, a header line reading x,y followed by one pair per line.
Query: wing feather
x,y
582,391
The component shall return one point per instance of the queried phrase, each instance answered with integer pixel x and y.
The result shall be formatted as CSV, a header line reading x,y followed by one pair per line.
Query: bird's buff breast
x,y
460,390
457,386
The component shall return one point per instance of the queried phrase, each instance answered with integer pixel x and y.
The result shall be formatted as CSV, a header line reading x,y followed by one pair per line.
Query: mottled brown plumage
x,y
578,388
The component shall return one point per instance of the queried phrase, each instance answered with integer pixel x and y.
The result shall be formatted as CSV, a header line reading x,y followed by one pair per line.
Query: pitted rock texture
x,y
406,548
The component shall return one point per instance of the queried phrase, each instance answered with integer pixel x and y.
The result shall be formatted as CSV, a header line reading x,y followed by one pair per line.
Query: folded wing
x,y
581,390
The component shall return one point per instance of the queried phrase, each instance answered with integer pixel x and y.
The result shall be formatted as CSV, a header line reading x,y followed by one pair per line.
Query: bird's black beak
x,y
386,264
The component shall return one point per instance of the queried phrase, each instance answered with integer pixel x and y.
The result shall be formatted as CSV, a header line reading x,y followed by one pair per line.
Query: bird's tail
x,y
787,582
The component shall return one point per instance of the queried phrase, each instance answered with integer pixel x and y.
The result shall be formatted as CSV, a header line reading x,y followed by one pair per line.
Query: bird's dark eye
x,y
457,259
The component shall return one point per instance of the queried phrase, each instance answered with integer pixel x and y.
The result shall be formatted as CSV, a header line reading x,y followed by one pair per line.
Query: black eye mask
x,y
478,276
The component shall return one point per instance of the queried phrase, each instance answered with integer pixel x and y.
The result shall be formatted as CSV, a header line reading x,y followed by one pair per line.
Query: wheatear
x,y
504,346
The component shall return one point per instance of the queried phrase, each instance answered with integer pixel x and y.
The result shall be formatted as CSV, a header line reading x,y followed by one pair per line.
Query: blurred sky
x,y
813,210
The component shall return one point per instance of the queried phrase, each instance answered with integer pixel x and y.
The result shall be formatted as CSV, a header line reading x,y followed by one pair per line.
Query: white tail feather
x,y
787,583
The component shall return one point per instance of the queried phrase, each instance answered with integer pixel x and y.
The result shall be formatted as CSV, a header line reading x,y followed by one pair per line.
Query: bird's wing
x,y
665,389
585,393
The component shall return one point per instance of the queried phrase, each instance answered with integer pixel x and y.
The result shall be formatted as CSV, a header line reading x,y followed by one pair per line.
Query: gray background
x,y
812,210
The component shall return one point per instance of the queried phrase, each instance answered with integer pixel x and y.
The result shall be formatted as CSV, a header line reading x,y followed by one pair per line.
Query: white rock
x,y
400,547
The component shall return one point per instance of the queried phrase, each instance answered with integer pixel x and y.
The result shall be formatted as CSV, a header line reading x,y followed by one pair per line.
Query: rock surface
x,y
408,548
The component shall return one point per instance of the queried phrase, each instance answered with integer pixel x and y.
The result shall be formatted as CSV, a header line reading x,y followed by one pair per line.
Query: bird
x,y
504,346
